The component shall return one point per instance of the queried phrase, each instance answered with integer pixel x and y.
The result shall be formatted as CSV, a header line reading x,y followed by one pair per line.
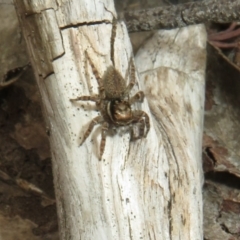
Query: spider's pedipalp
x,y
141,117
94,122
138,97
141,127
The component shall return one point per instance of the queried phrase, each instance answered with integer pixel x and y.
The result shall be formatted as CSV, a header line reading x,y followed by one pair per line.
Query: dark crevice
x,y
225,178
129,228
182,17
224,228
47,75
210,154
59,56
85,24
29,13
170,218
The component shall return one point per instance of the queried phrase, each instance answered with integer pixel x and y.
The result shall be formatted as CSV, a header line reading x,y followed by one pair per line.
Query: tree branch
x,y
181,15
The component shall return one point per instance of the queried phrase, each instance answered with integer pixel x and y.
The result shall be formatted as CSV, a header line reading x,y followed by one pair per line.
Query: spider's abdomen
x,y
114,84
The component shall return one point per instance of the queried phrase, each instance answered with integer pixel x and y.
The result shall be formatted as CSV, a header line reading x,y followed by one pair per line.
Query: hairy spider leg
x,y
132,78
86,98
138,97
105,127
97,75
113,36
94,122
139,117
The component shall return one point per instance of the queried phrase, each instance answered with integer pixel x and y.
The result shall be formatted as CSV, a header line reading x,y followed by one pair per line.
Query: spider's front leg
x,y
143,119
86,98
94,122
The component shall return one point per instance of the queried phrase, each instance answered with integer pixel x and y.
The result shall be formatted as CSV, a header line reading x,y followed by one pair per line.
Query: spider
x,y
115,105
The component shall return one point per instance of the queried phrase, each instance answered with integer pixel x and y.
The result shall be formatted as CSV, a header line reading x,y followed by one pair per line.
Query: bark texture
x,y
148,189
181,15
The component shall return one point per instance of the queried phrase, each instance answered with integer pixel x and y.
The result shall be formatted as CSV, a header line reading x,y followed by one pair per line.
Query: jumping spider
x,y
115,105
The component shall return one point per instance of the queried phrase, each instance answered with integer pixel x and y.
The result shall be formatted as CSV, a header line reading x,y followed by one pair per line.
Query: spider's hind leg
x,y
105,127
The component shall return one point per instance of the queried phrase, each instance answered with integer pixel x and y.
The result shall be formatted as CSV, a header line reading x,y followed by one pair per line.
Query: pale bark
x,y
148,189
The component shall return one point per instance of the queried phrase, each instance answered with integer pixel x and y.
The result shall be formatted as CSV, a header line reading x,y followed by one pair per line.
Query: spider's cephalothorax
x,y
120,112
114,103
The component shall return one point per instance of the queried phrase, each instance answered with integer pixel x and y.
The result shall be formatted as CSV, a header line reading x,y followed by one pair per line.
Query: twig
x,y
220,11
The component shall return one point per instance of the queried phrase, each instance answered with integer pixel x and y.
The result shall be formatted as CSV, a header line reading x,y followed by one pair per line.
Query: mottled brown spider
x,y
114,104
113,100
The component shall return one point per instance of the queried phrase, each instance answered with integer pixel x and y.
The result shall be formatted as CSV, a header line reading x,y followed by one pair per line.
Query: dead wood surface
x,y
146,189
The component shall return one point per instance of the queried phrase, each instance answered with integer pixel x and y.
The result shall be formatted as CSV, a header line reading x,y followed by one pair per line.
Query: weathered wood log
x,y
147,189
